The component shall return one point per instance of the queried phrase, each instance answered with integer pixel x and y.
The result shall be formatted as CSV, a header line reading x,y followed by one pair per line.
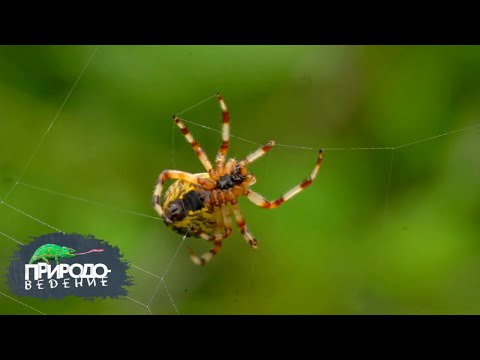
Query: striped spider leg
x,y
259,200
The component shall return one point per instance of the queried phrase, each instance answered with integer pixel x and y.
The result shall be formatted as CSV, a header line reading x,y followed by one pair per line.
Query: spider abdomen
x,y
187,206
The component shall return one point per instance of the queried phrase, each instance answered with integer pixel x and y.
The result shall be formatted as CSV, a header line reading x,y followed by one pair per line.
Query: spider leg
x,y
243,227
219,219
202,156
222,152
175,174
259,152
217,239
259,200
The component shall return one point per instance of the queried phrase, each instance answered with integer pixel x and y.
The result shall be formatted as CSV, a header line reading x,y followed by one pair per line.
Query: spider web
x,y
18,182
151,293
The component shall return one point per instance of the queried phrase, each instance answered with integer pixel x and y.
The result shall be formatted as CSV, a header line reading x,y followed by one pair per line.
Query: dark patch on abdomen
x,y
178,209
193,200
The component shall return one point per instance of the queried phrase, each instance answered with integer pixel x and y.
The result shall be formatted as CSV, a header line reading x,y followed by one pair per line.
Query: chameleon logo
x,y
51,251
58,265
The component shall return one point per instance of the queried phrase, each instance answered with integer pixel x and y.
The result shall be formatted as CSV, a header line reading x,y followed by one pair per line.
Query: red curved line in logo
x,y
88,252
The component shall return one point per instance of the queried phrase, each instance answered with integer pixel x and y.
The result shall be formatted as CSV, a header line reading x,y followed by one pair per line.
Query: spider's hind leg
x,y
217,238
243,227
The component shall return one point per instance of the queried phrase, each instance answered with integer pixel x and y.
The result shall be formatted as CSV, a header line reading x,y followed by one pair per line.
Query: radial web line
x,y
388,184
138,302
145,271
162,279
92,202
51,124
339,148
11,238
197,104
440,135
22,303
170,296
31,217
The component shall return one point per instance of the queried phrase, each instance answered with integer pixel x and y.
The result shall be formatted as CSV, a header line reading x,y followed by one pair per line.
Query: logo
x,y
58,265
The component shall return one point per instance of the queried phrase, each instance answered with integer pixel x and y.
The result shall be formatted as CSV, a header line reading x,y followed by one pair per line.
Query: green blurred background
x,y
378,232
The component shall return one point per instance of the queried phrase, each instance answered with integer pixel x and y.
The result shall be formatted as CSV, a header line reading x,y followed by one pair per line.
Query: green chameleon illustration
x,y
51,251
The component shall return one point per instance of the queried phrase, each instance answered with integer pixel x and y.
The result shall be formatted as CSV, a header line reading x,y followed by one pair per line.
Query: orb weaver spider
x,y
202,204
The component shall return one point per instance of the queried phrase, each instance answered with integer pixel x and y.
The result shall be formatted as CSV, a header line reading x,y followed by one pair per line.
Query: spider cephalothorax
x,y
202,204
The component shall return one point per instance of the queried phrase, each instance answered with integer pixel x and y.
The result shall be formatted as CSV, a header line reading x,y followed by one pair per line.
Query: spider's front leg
x,y
179,175
222,152
217,239
202,156
259,200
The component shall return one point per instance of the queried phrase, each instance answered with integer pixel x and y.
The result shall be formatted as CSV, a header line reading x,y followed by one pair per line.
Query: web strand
x,y
11,238
174,256
22,303
353,148
339,148
22,174
139,303
437,136
173,145
197,104
31,217
87,201
162,279
170,296
388,183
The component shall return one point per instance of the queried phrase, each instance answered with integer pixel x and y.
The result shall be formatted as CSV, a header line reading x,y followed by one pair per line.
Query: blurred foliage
x,y
379,231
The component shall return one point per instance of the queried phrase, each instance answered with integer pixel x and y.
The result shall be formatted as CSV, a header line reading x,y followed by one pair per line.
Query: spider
x,y
202,204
